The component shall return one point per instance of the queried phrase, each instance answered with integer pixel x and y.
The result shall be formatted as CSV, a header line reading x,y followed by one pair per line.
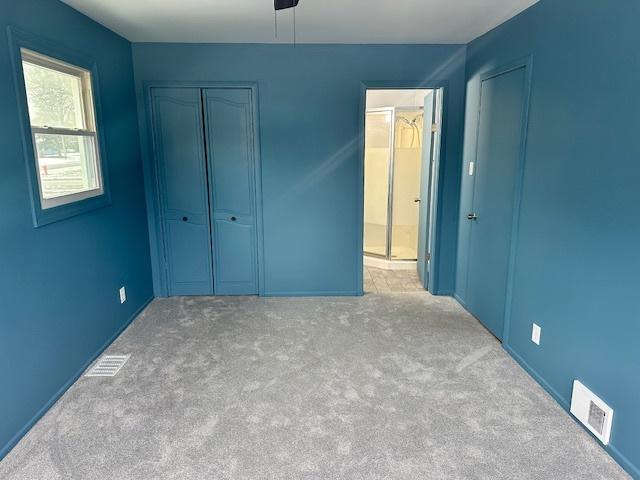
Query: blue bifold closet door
x,y
205,161
179,151
231,159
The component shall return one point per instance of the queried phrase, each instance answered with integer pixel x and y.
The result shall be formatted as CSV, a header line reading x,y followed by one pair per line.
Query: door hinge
x,y
435,127
427,257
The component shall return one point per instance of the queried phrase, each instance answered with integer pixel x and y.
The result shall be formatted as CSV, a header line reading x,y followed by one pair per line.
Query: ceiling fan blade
x,y
282,4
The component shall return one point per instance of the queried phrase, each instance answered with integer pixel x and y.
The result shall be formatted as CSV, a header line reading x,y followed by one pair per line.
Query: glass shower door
x,y
407,166
377,162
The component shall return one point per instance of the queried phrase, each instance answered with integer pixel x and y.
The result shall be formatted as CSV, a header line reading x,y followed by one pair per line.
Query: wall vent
x,y
596,415
107,366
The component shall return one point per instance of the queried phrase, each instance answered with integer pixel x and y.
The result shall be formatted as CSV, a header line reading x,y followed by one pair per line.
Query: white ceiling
x,y
317,21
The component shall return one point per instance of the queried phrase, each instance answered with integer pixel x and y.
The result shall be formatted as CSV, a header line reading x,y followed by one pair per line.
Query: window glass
x,y
61,114
66,163
55,98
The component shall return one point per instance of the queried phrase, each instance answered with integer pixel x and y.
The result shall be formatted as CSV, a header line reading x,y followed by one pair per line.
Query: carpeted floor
x,y
391,386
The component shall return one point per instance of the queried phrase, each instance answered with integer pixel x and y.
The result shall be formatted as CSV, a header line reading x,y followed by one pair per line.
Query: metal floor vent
x,y
597,417
108,366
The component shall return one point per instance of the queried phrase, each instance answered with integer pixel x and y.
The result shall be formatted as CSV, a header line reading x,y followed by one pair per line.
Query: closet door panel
x,y
230,149
182,182
235,239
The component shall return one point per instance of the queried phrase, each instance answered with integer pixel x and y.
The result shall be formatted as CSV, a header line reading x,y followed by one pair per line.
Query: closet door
x,y
180,159
230,153
500,133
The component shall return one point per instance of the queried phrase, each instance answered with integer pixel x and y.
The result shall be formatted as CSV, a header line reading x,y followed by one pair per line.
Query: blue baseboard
x,y
313,294
23,431
444,293
565,403
464,305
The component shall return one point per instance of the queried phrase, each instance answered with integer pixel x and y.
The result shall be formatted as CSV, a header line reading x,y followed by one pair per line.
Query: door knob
x,y
472,216
185,219
233,219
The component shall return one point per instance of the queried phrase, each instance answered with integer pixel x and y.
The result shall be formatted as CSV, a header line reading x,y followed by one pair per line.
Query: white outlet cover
x,y
123,295
536,332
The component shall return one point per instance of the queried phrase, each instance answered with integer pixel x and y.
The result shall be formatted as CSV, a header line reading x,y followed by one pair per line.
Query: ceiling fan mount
x,y
284,4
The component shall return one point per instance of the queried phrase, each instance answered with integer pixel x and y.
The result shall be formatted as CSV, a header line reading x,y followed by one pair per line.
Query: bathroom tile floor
x,y
378,280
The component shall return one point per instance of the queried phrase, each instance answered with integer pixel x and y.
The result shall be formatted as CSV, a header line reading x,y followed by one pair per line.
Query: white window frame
x,y
90,130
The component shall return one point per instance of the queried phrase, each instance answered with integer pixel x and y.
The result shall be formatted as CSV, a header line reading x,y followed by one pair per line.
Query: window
x,y
63,130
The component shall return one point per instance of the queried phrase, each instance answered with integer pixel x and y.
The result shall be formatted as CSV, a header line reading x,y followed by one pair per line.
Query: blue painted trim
x,y
460,300
434,270
314,294
257,171
152,189
458,187
362,109
152,195
61,391
397,85
21,39
566,405
527,64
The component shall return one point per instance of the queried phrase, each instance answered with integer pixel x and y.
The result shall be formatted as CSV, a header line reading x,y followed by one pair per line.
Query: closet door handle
x,y
472,216
233,219
185,219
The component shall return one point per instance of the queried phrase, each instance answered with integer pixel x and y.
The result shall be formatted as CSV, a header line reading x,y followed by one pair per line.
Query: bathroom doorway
x,y
401,146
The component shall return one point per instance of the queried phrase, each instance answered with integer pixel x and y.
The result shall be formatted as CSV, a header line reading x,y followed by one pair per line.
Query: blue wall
x,y
309,101
578,256
59,283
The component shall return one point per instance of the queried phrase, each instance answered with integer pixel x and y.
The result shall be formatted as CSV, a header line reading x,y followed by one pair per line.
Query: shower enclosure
x,y
393,160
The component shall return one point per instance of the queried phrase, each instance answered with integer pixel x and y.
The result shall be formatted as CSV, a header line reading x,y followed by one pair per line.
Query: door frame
x,y
526,63
435,241
152,185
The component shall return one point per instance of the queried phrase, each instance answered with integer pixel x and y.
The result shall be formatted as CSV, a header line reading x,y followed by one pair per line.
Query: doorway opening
x,y
401,153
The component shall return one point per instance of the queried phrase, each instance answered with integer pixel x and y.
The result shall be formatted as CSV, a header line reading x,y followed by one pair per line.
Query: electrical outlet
x,y
123,295
535,334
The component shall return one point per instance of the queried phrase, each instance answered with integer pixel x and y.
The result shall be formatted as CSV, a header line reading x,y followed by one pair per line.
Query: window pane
x,y
54,98
67,164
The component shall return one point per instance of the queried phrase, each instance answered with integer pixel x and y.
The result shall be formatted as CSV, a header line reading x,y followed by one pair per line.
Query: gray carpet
x,y
396,386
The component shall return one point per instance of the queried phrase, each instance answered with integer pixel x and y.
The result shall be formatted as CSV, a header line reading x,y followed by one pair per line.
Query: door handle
x,y
233,219
472,216
417,200
185,219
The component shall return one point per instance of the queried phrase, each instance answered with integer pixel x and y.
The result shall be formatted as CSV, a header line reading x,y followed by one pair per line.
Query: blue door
x,y
499,142
231,159
178,136
425,180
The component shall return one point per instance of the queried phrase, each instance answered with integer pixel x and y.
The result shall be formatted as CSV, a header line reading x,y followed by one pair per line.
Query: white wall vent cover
x,y
108,366
596,415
